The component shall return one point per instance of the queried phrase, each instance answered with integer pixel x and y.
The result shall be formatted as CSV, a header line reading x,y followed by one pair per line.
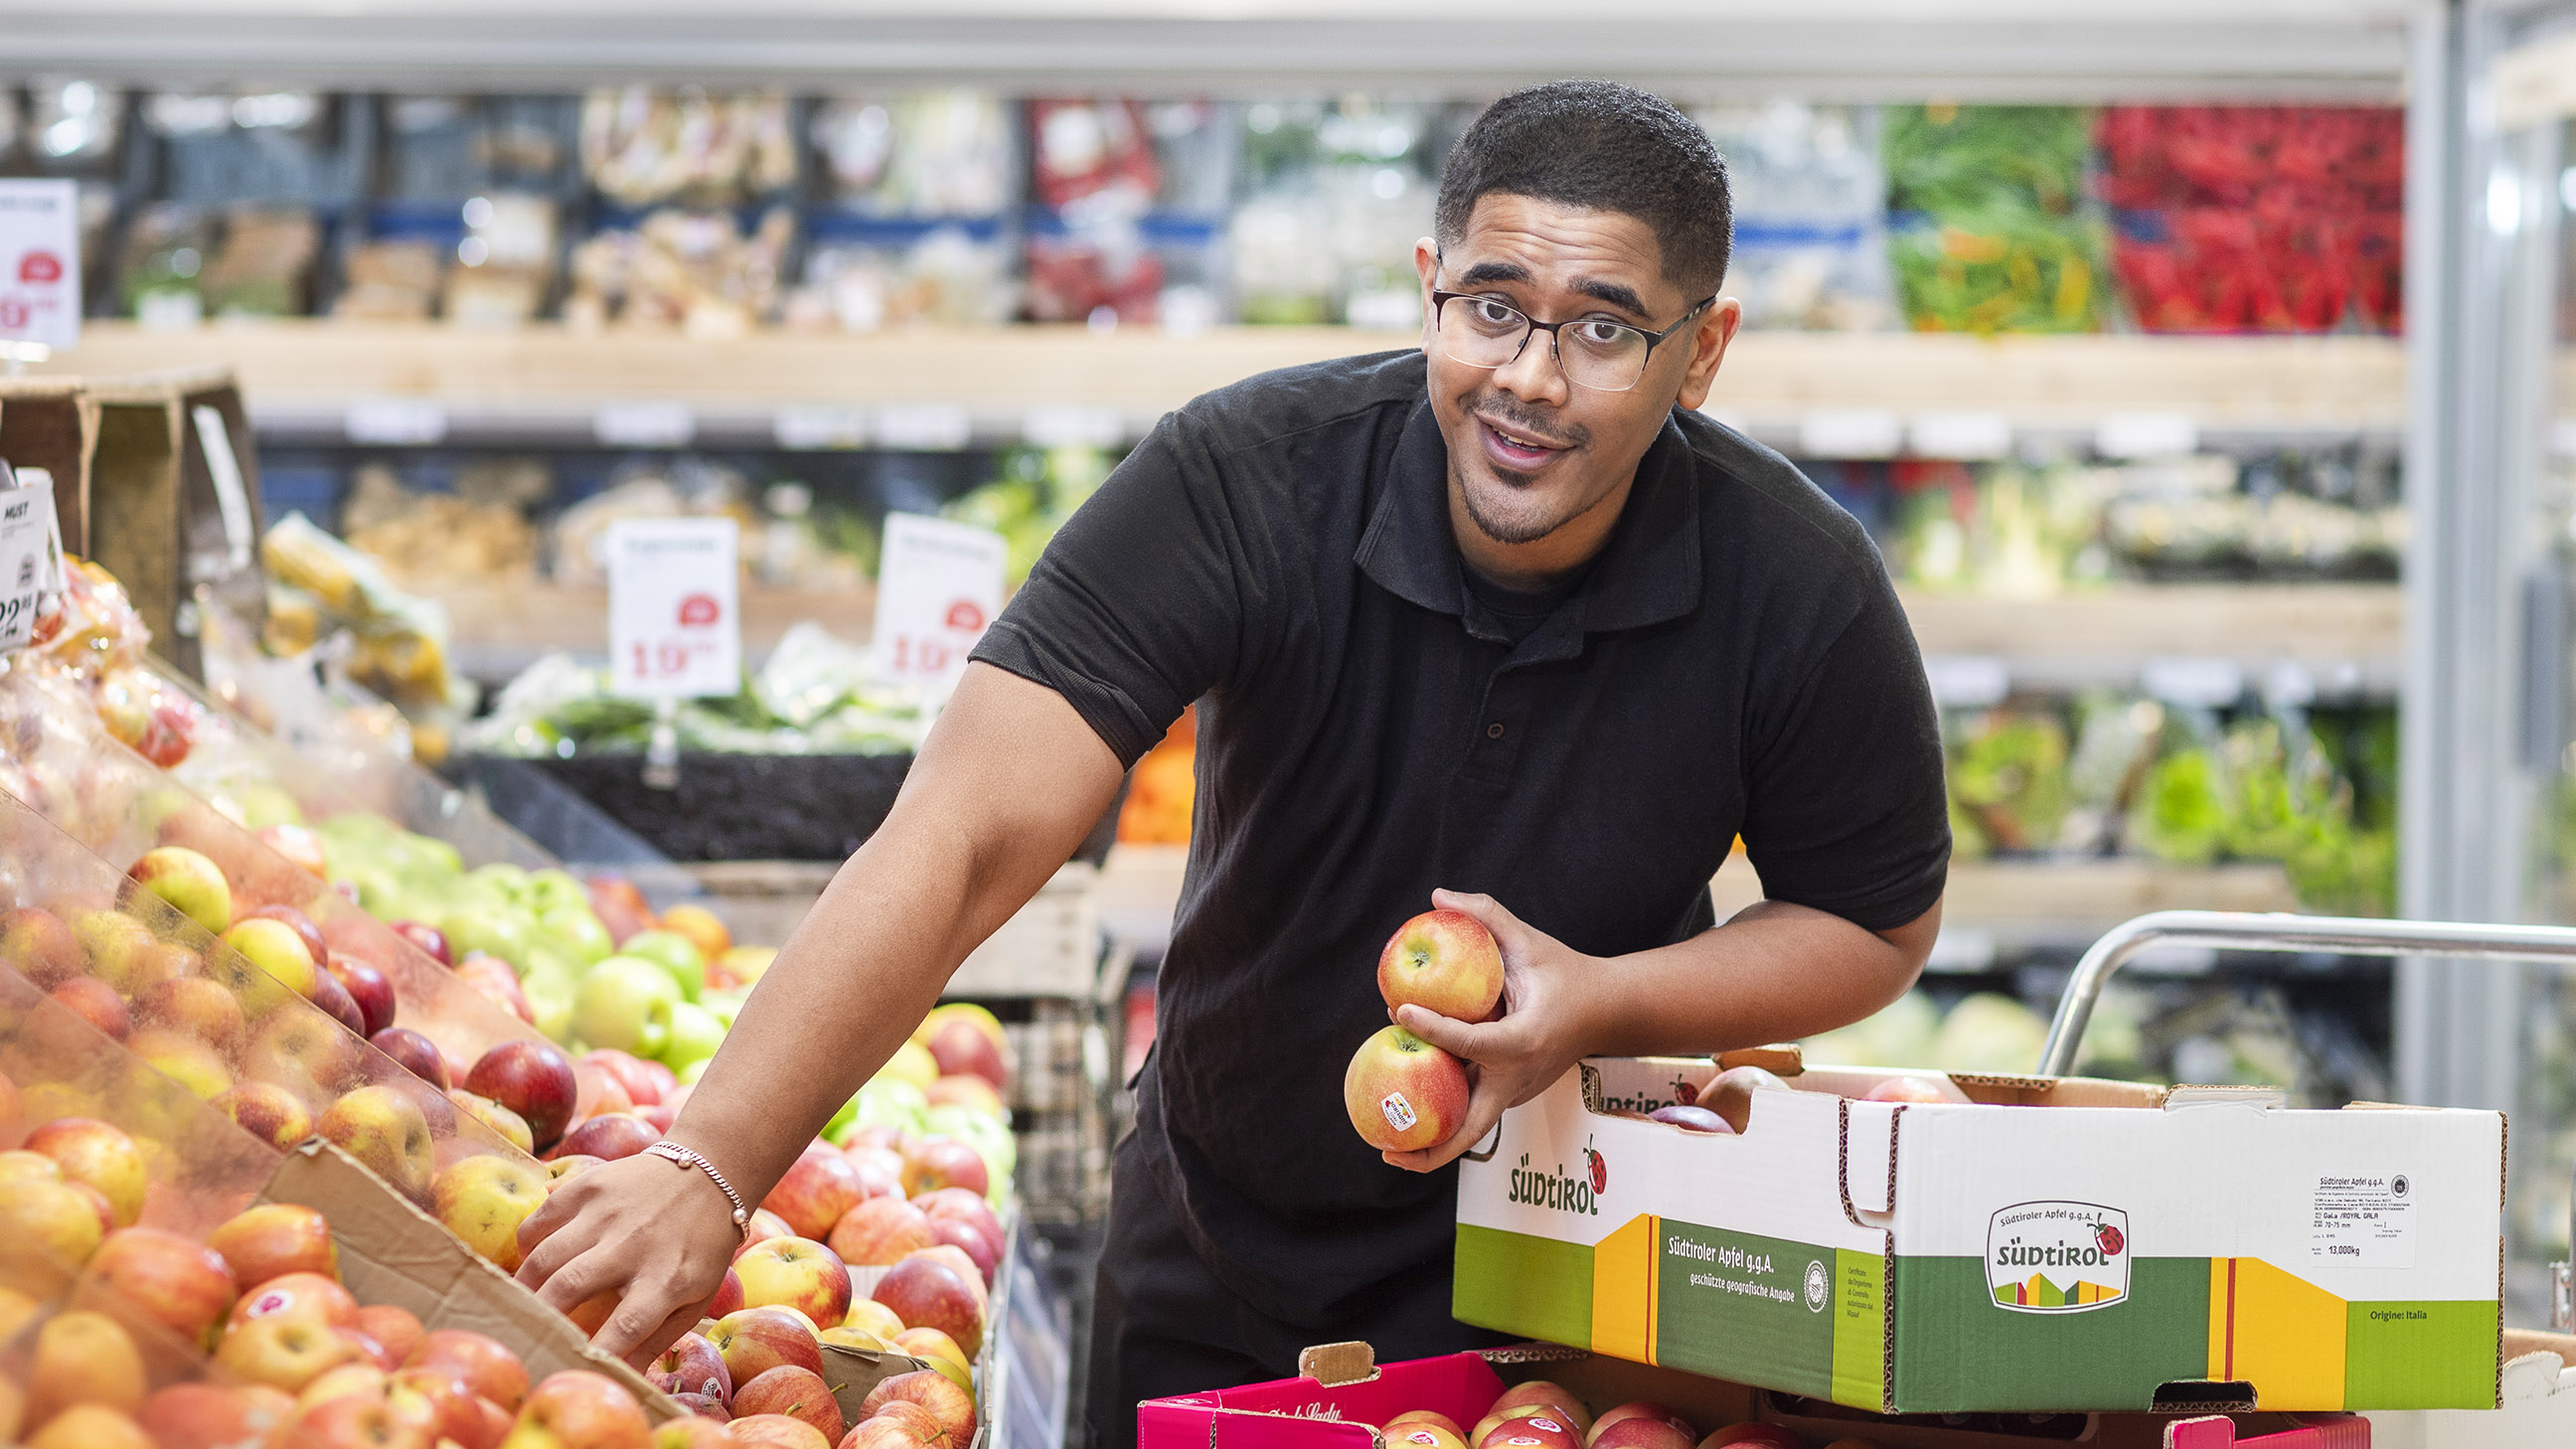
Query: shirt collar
x,y
1648,573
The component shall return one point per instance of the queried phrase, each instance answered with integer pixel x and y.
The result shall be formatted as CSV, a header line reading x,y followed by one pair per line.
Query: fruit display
x,y
319,584
1541,1414
1404,1094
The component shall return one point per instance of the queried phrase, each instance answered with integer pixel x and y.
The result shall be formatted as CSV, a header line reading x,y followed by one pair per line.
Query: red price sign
x,y
673,628
939,584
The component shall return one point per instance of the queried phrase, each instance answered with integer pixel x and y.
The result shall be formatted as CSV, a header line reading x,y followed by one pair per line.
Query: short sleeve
x,y
1135,609
1846,810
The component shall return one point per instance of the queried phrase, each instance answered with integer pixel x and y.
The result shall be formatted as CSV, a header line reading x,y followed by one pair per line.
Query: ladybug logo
x,y
1686,1093
2108,1237
1600,1171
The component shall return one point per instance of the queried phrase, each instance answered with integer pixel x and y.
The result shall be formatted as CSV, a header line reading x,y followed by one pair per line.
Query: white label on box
x,y
940,583
2364,1220
644,425
40,278
395,422
806,429
2057,1257
28,563
674,622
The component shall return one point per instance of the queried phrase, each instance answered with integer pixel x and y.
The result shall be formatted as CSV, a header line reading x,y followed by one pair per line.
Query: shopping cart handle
x,y
2281,931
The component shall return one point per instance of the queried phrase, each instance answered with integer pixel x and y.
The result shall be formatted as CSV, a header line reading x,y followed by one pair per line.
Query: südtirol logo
x,y
1559,1190
2057,1257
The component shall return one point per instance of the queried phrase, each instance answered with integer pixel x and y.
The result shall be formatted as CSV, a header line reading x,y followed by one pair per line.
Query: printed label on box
x,y
2057,1257
2364,1220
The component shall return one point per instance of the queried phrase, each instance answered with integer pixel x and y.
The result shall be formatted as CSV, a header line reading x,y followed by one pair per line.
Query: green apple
x,y
577,933
264,804
891,1102
695,1035
625,1002
552,890
678,955
510,881
848,1116
550,1007
978,1130
690,1074
725,1004
495,931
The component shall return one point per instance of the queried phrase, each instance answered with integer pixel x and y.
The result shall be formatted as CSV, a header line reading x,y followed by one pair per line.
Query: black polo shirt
x,y
1734,661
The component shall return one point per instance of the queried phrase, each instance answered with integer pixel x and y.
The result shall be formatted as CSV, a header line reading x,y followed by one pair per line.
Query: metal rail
x,y
2281,931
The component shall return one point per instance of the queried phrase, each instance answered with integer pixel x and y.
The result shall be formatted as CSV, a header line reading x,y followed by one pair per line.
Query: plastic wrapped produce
x,y
1990,234
1810,214
401,640
643,148
695,270
945,153
1334,198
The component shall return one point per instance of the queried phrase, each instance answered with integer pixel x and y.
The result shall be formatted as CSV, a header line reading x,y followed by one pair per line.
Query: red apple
x,y
1690,1118
701,1425
201,1007
268,1112
368,986
1555,1395
336,1003
643,1089
41,946
969,1238
950,1405
1442,961
493,977
1422,1434
413,1053
98,1154
960,1047
927,1293
753,1341
1730,1093
485,1363
798,1393
456,1416
661,1117
958,1202
1432,1417
937,1162
532,1078
796,1273
728,1297
181,1284
1644,1431
775,1431
1639,1409
816,1191
296,921
881,1232
372,1420
1531,1431
393,1328
206,1416
898,1424
313,1296
97,1003
584,1410
262,1242
1404,1094
693,1366
609,1136
1906,1089
431,941
880,1169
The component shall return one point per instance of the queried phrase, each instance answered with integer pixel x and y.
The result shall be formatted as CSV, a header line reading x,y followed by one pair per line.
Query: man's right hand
x,y
653,1234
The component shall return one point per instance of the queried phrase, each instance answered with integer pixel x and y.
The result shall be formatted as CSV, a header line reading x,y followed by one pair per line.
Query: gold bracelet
x,y
687,1157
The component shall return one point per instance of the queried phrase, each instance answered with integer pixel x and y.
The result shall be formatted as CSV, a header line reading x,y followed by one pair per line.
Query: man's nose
x,y
1534,376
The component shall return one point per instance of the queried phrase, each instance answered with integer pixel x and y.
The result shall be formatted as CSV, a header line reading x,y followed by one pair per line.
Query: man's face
x,y
1529,451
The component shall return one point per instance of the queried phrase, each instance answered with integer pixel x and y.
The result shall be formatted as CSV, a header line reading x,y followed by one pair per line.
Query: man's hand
x,y
1542,1034
650,1233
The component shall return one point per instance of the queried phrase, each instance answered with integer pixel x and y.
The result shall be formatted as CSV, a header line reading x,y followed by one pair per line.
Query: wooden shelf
x,y
546,383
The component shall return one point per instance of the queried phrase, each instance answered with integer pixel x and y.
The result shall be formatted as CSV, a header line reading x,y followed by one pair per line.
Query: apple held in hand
x,y
1443,961
1404,1094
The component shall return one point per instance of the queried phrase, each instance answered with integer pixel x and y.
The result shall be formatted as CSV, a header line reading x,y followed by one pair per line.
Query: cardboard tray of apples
x,y
1541,1396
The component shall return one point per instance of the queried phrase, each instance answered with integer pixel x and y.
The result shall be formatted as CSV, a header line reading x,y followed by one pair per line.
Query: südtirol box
x,y
2038,1244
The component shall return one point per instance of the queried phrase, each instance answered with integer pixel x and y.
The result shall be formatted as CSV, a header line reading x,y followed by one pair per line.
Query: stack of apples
x,y
1544,1415
942,1090
1404,1094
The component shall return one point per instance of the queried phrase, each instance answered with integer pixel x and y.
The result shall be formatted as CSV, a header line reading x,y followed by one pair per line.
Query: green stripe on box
x,y
1860,1329
1738,1306
1516,1283
2419,1356
1959,1351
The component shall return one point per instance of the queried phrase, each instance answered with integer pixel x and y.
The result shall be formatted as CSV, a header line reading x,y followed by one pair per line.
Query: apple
x,y
1730,1093
1690,1118
799,1393
966,1090
796,1273
505,1124
207,1416
926,1292
753,1341
383,1127
1404,1094
88,1426
316,1296
268,1112
739,968
284,1351
609,1136
1644,1431
298,846
1431,1417
691,1365
1531,1431
1638,1409
937,1162
275,948
841,1335
961,1048
532,1078
367,985
701,927
625,1002
1906,1089
659,1117
42,947
1421,1434
456,1415
1443,961
183,1285
53,1217
431,941
196,1005
702,1427
672,952
643,1087
294,920
97,1003
971,1240
728,1294
189,882
84,1357
880,1232
488,1366
414,1053
816,1191
776,1431
581,1410
184,1059
1542,1391
958,1202
483,1199
928,1343
113,945
1750,1435
950,1405
964,1267
563,1167
259,1243
303,1051
99,1154
880,1169
335,1002
696,1035
897,1425
763,1226
870,1316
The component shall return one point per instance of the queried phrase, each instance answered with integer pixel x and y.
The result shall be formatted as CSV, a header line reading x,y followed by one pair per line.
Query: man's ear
x,y
1426,262
1717,327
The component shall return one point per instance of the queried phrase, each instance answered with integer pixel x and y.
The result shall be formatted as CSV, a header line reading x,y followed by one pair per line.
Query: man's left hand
x,y
1542,1034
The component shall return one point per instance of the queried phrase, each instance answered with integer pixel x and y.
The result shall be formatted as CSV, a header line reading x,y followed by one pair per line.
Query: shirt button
x,y
1494,731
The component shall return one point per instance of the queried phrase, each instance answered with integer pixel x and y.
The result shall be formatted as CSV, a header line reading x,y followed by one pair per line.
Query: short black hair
x,y
1601,146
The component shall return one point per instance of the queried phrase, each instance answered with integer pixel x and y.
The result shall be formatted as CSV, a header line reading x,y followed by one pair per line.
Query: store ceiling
x,y
1822,49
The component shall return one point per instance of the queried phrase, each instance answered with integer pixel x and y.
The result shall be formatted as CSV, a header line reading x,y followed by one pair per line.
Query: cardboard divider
x,y
173,489
45,423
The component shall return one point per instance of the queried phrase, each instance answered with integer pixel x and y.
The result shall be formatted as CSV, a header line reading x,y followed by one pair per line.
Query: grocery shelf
x,y
1993,907
1818,393
497,629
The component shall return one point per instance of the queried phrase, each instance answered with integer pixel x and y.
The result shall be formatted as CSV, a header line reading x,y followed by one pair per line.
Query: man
x,y
1502,625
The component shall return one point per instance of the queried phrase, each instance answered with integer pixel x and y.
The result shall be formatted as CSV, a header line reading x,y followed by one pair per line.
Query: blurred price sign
x,y
31,551
644,425
674,618
395,422
1850,433
939,585
40,280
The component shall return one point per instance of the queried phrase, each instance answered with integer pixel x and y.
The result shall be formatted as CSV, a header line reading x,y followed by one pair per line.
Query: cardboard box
x,y
2039,1245
2538,1410
1342,1396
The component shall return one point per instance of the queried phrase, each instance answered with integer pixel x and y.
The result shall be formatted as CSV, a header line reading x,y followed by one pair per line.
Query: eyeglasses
x,y
1593,352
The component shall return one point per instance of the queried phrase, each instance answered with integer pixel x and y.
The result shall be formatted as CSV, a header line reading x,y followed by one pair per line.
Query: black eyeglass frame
x,y
1555,345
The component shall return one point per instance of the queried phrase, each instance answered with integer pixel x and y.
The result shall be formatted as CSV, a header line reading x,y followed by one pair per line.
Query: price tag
x,y
40,280
923,428
1052,427
1967,436
2147,435
395,422
1967,681
1850,433
674,619
939,585
2209,683
805,429
30,553
644,425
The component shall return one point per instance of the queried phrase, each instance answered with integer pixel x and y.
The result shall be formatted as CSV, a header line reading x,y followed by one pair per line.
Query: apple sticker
x,y
1399,1112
